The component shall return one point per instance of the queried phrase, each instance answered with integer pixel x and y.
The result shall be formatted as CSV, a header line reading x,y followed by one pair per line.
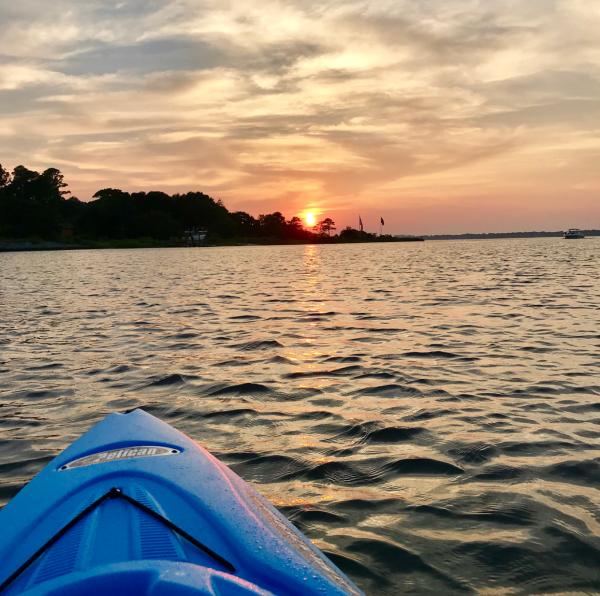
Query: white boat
x,y
194,237
573,234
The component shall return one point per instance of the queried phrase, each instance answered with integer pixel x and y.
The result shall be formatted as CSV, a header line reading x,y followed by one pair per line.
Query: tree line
x,y
36,205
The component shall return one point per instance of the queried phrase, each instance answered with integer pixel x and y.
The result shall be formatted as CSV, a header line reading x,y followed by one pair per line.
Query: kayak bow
x,y
136,507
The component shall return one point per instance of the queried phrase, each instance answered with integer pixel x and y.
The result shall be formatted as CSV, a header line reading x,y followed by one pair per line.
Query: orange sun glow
x,y
310,219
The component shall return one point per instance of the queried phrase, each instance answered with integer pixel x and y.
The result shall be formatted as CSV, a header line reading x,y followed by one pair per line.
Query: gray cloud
x,y
545,85
169,54
577,114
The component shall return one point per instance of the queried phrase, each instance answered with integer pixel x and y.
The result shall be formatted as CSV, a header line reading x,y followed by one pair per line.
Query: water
x,y
428,413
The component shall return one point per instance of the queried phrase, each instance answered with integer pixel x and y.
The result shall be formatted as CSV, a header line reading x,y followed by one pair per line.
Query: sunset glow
x,y
310,219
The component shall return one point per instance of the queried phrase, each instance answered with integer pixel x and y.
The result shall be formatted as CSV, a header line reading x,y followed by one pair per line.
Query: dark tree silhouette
x,y
295,223
245,224
326,226
197,210
34,205
296,231
51,185
4,177
111,215
349,234
22,180
272,225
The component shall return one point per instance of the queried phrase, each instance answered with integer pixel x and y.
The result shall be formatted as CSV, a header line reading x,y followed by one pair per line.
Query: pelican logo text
x,y
119,455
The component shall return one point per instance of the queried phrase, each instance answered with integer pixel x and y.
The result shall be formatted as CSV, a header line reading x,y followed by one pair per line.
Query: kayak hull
x,y
135,506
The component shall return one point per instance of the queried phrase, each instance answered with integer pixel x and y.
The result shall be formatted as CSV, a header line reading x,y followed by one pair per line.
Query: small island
x,y
36,212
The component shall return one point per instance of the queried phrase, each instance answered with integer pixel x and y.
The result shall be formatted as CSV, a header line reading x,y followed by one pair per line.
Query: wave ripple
x,y
427,413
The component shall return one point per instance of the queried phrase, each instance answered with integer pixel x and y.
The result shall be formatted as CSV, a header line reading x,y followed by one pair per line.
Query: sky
x,y
441,116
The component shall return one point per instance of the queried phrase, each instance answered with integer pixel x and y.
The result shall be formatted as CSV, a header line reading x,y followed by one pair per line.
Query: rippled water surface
x,y
428,413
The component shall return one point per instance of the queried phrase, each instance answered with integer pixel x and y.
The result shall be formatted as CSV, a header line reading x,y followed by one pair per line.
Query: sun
x,y
310,219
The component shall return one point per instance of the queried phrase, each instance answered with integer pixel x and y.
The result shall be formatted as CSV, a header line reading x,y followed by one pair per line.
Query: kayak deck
x,y
134,506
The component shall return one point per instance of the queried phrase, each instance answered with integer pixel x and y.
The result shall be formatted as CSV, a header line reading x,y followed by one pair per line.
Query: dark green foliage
x,y
34,205
326,226
111,215
272,225
197,210
4,177
351,235
245,225
295,230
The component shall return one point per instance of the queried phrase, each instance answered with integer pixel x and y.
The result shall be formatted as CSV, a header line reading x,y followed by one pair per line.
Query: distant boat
x,y
194,237
573,234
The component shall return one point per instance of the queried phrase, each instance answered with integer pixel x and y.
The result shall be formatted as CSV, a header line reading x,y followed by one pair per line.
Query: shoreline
x,y
30,246
48,245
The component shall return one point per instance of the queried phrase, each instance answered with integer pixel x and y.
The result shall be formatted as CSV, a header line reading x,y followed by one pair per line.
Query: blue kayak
x,y
136,507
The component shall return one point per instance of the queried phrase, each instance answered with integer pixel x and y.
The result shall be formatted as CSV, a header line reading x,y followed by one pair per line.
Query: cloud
x,y
343,104
169,54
